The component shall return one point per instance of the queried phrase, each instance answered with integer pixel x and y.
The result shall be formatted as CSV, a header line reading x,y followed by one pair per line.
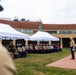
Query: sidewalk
x,y
66,62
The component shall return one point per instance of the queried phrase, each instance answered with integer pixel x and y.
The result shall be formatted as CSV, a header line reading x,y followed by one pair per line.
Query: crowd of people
x,y
22,51
43,48
16,52
32,48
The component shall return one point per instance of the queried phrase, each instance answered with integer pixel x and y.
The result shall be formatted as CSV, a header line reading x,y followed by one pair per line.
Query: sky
x,y
48,11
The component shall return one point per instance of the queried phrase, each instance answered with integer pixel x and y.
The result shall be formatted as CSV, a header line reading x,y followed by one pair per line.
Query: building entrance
x,y
66,42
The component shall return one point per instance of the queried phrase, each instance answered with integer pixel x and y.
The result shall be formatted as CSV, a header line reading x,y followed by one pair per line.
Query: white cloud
x,y
49,11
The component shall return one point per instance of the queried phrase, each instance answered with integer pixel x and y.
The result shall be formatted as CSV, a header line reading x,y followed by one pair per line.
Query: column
x,y
61,43
1,41
57,31
38,42
49,42
26,42
22,30
14,42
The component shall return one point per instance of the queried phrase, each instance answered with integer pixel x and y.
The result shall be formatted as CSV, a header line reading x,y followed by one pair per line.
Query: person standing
x,y
72,47
6,63
23,52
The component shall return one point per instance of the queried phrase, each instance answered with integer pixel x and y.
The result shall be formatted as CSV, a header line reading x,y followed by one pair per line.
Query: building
x,y
62,31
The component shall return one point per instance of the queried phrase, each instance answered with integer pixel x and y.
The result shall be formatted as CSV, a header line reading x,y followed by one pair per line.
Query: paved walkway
x,y
66,62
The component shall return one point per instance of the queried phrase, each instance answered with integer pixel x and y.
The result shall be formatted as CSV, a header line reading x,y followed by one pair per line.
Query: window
x,y
74,32
28,31
18,30
24,31
40,28
67,32
52,32
64,32
31,31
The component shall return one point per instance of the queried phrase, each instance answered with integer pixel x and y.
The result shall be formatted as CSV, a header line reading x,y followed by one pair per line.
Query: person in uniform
x,y
72,47
6,63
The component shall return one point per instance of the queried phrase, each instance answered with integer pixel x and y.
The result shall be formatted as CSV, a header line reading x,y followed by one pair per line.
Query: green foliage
x,y
36,64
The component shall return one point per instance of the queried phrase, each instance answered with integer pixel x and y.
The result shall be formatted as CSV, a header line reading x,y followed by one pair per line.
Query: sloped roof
x,y
8,31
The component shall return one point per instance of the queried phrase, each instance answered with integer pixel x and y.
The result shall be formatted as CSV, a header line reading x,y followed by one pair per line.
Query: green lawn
x,y
35,64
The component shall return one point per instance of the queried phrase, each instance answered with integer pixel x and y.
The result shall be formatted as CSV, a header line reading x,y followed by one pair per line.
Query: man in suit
x,y
6,63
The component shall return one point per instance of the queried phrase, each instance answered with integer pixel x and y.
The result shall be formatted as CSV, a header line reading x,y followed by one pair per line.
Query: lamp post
x,y
1,8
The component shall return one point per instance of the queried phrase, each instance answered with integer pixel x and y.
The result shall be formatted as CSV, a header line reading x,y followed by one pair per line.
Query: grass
x,y
35,64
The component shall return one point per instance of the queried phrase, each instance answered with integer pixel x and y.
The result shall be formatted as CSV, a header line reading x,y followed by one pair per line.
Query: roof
x,y
59,26
22,24
34,25
8,31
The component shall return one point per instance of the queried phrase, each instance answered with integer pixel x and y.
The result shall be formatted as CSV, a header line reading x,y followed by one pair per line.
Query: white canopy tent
x,y
6,31
43,36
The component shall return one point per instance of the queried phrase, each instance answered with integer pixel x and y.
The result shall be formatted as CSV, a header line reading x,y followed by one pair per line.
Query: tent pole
x,y
1,41
49,42
38,42
26,42
14,42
